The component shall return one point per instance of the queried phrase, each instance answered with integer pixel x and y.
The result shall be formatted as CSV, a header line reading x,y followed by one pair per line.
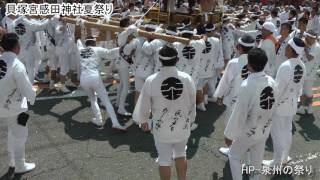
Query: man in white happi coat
x,y
236,71
189,57
26,30
269,44
249,124
16,90
289,82
283,39
64,38
144,61
170,96
90,80
211,64
228,39
311,59
314,22
123,64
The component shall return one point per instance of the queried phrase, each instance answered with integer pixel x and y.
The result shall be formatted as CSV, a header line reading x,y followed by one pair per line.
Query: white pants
x,y
53,61
307,88
94,87
212,84
17,137
281,133
31,58
170,151
63,59
123,88
138,83
239,149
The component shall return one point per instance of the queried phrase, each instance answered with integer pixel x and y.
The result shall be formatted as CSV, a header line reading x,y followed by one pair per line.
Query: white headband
x,y
167,58
296,48
310,35
212,29
150,26
187,32
94,39
246,44
171,32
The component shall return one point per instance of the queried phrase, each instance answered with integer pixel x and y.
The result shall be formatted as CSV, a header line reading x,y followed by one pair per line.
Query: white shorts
x,y
202,82
53,61
307,88
169,151
64,59
138,83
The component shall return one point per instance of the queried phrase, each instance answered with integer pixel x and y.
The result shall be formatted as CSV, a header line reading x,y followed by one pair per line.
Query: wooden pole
x,y
113,28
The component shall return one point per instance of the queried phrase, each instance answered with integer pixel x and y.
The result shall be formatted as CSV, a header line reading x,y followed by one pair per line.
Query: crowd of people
x,y
261,64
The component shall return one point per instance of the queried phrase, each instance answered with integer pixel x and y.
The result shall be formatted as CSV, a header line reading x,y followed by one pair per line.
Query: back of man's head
x,y
257,59
168,55
9,41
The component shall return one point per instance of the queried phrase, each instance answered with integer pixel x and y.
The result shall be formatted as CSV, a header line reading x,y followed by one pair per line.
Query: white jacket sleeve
x,y
142,109
239,115
192,94
148,47
24,85
110,53
128,48
36,26
282,80
225,81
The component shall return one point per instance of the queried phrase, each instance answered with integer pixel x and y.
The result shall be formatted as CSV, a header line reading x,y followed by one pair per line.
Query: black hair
x,y
257,59
131,5
289,26
246,39
125,22
9,41
293,12
168,51
274,12
90,42
304,20
299,42
201,30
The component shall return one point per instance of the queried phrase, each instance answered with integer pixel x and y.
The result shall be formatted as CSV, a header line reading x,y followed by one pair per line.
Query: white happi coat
x,y
91,58
289,81
16,88
312,66
143,63
212,58
25,29
170,95
189,57
314,24
228,41
152,49
229,85
280,54
7,23
251,117
269,47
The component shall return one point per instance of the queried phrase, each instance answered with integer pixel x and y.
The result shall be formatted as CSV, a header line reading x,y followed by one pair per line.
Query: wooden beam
x,y
113,28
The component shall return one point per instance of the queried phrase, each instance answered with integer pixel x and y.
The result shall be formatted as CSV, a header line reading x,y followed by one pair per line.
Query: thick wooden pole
x,y
113,28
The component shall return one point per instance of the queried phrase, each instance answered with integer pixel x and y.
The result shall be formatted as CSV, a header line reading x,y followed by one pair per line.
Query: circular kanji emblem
x,y
245,72
298,73
189,52
86,53
208,48
3,69
172,88
267,98
20,29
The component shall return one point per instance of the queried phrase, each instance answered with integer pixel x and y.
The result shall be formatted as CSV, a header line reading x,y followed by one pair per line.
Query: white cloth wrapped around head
x,y
299,50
